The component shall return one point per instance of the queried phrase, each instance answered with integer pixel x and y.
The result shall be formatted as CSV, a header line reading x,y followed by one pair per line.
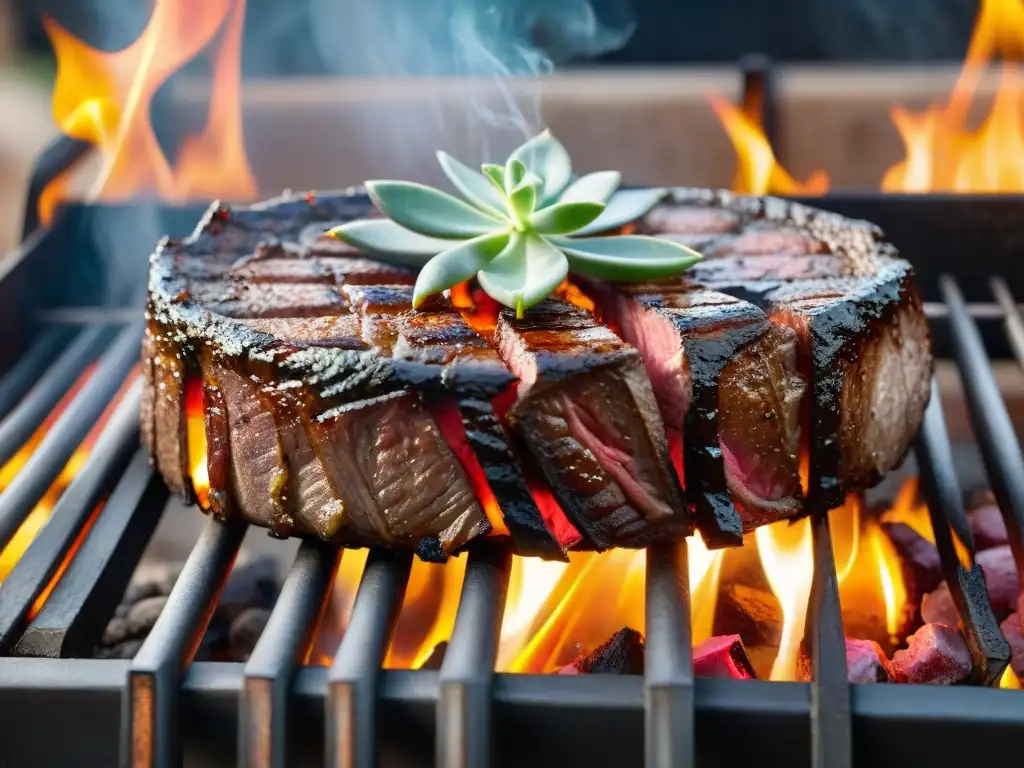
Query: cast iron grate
x,y
274,711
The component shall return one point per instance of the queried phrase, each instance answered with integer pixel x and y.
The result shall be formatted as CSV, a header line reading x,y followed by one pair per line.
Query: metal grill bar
x,y
990,652
350,729
39,563
992,425
758,95
263,718
825,642
149,720
54,450
75,614
464,700
57,157
26,417
31,367
668,663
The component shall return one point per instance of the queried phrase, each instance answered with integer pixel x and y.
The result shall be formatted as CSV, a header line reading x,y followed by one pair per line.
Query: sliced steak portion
x,y
439,351
863,340
730,396
587,413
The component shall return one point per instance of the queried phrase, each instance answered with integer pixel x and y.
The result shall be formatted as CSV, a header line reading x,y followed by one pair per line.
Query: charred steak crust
x,y
289,333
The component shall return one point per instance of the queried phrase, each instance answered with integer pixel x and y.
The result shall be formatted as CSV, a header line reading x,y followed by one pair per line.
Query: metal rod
x,y
350,729
29,414
55,159
263,710
825,641
150,700
993,427
104,467
54,450
990,652
31,367
74,616
464,734
1012,318
668,664
758,95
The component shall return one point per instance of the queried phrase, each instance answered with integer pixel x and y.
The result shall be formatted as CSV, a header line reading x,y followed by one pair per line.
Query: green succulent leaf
x,y
430,211
565,218
624,207
476,187
496,174
525,273
515,172
626,258
596,187
381,236
457,264
523,199
545,156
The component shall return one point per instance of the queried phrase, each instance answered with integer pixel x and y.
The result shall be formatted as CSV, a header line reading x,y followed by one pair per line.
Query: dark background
x,y
278,32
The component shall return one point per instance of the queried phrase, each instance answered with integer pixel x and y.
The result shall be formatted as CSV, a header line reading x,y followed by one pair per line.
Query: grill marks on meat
x,y
724,377
442,354
332,409
586,411
863,343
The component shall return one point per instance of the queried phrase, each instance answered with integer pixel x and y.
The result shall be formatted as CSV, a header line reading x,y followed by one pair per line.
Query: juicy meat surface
x,y
587,413
333,409
730,396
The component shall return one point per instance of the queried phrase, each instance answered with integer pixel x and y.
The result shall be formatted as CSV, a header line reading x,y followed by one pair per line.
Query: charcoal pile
x,y
236,625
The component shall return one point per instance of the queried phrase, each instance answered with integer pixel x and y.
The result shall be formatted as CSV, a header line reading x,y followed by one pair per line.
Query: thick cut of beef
x,y
726,382
863,343
330,408
587,413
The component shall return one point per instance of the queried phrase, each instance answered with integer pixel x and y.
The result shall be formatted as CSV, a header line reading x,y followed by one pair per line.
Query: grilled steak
x,y
330,408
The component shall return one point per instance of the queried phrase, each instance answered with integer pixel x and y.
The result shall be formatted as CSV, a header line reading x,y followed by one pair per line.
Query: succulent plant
x,y
520,230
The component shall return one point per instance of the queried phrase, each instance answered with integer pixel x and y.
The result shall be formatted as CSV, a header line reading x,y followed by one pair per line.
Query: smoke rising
x,y
495,42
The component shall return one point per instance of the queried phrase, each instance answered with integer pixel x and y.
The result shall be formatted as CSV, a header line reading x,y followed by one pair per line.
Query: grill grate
x,y
273,711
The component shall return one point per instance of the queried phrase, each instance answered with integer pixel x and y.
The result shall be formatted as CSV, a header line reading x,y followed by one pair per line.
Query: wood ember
x,y
723,656
988,527
236,625
935,655
750,612
1000,580
866,662
1014,635
623,654
920,558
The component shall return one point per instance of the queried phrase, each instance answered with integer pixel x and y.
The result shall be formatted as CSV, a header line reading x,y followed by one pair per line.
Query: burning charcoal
x,y
723,656
117,631
865,662
1000,580
988,527
436,656
143,615
750,612
251,585
922,568
979,497
623,654
935,655
1015,637
140,590
245,632
125,650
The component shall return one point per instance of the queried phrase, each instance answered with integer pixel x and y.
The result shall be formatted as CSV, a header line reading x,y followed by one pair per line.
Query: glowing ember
x,y
757,172
106,99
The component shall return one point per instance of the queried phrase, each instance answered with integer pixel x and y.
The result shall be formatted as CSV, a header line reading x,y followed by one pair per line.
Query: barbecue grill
x,y
60,706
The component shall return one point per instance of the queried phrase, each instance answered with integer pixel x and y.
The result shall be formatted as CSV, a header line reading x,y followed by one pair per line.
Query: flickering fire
x,y
105,98
37,518
944,152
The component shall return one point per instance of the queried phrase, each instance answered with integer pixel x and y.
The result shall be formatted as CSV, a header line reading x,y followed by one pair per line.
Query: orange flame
x,y
1010,680
943,153
758,172
106,98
